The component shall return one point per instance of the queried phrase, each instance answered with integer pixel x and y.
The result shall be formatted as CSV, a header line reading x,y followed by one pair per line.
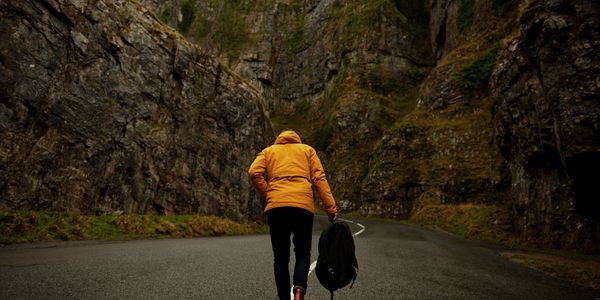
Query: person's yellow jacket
x,y
285,172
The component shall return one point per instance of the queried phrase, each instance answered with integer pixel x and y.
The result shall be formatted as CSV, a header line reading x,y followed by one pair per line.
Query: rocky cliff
x,y
339,72
444,150
547,118
509,114
409,103
413,103
105,110
348,76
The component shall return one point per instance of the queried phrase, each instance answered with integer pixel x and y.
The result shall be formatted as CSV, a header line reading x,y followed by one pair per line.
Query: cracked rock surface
x,y
105,110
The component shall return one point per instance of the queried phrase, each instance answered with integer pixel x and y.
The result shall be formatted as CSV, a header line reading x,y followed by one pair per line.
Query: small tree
x,y
175,14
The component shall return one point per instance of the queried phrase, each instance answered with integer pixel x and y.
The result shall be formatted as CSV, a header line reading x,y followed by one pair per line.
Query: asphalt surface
x,y
396,261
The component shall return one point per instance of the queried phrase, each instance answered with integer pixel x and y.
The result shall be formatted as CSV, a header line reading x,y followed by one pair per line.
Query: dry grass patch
x,y
35,226
491,223
484,222
576,271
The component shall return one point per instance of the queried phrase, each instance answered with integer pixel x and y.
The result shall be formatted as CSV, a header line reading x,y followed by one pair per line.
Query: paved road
x,y
396,262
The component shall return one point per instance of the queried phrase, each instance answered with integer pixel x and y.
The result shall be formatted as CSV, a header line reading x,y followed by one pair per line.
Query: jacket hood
x,y
288,137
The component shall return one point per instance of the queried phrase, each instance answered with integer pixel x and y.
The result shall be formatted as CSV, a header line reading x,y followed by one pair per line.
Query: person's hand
x,y
332,217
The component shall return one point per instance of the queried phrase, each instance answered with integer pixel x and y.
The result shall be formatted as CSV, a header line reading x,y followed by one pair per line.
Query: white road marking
x,y
312,267
358,224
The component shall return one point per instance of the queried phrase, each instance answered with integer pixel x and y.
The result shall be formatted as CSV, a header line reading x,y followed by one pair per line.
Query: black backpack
x,y
336,265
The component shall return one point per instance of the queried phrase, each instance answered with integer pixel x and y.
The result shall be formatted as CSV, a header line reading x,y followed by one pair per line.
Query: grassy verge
x,y
579,271
33,226
491,223
488,223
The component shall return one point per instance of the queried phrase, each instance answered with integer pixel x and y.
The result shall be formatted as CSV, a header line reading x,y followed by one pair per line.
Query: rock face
x,y
339,72
547,119
443,152
105,110
399,98
409,103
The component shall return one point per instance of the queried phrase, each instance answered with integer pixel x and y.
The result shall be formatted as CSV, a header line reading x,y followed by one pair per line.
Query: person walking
x,y
284,175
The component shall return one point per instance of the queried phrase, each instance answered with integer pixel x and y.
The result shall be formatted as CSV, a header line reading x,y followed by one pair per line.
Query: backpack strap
x,y
355,266
353,279
331,293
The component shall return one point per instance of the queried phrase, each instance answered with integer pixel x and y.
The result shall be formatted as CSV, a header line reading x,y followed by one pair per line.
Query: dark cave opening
x,y
584,170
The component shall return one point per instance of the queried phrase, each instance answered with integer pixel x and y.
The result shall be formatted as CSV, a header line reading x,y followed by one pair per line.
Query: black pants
x,y
283,221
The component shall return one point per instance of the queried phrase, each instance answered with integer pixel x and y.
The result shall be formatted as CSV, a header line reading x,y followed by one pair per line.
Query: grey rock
x,y
104,110
546,118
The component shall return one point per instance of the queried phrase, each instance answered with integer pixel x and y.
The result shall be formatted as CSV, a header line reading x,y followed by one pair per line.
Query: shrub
x,y
230,32
500,4
188,13
302,106
380,82
465,14
202,27
199,89
296,39
323,138
166,15
476,74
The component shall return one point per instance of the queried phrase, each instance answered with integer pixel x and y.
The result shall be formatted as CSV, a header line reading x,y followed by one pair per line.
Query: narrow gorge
x,y
159,106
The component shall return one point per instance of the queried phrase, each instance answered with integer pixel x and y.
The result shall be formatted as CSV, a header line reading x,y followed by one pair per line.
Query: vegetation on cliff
x,y
217,25
32,226
412,105
121,114
396,95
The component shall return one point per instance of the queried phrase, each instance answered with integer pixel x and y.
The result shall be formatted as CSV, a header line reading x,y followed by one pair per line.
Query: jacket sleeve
x,y
320,181
257,175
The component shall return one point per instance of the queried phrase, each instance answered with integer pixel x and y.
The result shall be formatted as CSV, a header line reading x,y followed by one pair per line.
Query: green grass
x,y
35,226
